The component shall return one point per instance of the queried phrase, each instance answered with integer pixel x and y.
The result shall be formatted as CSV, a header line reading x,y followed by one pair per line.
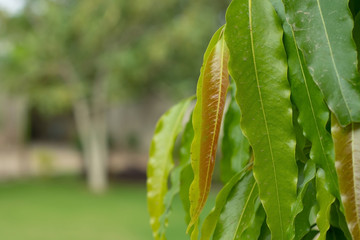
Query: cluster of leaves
x,y
290,147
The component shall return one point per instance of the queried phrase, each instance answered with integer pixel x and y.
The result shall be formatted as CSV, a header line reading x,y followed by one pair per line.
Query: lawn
x,y
62,209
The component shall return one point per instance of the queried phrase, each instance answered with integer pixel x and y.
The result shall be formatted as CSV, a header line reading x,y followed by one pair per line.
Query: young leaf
x,y
211,220
186,174
175,177
258,66
347,155
239,210
324,199
211,95
313,113
161,162
323,32
235,147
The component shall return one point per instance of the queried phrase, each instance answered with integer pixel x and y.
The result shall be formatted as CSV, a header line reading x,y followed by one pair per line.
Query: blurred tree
x,y
84,54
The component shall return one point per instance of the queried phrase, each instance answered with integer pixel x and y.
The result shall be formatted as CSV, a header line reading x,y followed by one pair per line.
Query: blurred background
x,y
82,84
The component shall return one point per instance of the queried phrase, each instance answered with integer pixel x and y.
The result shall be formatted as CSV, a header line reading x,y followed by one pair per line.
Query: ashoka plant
x,y
290,148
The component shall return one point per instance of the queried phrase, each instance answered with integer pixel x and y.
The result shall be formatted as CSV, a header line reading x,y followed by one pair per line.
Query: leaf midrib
x,y
216,123
333,60
312,107
264,115
244,208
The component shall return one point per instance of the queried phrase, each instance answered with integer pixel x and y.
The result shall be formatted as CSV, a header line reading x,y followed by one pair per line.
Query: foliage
x,y
293,65
86,56
129,44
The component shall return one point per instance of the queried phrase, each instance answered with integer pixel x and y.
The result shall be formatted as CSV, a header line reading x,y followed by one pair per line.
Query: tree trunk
x,y
91,122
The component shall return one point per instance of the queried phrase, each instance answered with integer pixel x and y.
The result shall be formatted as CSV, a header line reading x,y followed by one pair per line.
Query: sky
x,y
12,6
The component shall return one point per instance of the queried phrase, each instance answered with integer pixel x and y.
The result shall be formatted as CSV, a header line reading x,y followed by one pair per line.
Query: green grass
x,y
62,209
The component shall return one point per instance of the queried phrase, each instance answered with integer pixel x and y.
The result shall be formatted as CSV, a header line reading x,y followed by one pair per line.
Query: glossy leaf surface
x,y
235,147
211,95
347,155
239,210
324,199
323,32
254,229
161,162
211,220
258,66
313,113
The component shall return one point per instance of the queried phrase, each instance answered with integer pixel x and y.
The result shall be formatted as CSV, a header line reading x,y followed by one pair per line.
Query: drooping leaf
x,y
258,66
211,95
211,220
161,162
186,174
313,113
305,200
347,155
323,32
324,199
239,210
176,174
235,147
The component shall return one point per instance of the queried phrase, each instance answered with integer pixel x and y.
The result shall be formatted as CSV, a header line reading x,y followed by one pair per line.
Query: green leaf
x,y
161,162
324,199
265,233
305,200
235,147
186,174
337,219
313,113
347,155
211,220
175,177
300,138
258,66
211,95
186,178
254,230
323,32
356,35
239,210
